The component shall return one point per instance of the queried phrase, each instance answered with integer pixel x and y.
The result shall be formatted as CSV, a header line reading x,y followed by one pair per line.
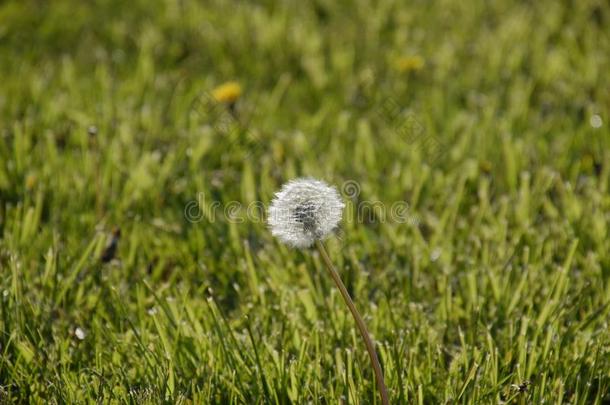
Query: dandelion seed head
x,y
79,333
303,211
596,121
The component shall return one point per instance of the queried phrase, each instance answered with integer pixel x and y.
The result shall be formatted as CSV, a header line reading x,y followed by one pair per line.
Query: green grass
x,y
503,280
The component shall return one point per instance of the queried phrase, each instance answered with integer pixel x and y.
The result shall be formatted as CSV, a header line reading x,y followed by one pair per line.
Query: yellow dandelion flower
x,y
406,64
227,92
30,181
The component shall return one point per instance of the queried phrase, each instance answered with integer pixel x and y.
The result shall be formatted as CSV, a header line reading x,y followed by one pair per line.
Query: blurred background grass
x,y
490,119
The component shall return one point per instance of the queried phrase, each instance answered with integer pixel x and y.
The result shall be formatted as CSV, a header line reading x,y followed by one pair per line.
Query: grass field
x,y
487,121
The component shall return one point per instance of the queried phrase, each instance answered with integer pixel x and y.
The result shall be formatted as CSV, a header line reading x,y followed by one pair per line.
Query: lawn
x,y
141,143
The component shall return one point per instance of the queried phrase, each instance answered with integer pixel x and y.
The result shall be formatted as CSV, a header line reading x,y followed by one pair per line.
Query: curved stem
x,y
370,347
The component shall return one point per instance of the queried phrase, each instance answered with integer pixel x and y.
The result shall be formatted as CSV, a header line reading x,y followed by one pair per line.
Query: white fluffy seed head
x,y
303,211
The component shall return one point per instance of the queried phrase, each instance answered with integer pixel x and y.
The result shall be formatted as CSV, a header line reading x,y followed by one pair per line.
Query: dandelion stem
x,y
370,347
